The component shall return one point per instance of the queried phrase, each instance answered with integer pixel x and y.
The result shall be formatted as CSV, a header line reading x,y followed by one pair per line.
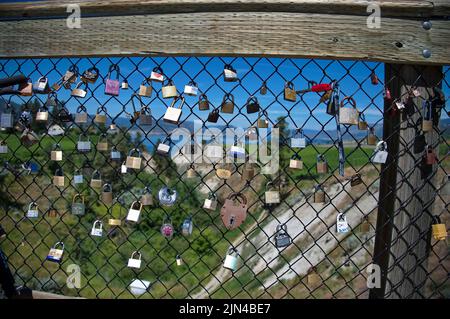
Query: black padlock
x,y
419,139
252,105
213,116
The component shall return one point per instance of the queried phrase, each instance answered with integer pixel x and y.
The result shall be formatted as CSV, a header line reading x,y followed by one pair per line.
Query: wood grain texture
x,y
234,34
389,8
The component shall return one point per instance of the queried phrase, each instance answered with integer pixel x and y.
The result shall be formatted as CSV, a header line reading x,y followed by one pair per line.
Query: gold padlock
x,y
99,116
371,137
81,115
321,165
169,91
319,194
56,153
107,195
42,114
203,103
145,89
147,197
96,180
228,103
102,144
263,121
289,92
312,278
134,162
296,162
58,178
438,229
116,221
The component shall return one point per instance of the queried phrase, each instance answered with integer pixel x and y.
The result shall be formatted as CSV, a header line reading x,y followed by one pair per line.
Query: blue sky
x,y
183,69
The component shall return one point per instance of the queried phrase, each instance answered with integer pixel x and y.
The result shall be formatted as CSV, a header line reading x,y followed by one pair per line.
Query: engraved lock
x,y
167,196
229,73
203,103
58,178
135,260
135,211
298,140
41,85
28,137
97,228
90,75
33,210
348,115
228,103
213,116
78,177
83,146
296,162
234,210
42,114
252,105
289,92
102,144
55,254
263,88
145,116
6,117
362,123
263,121
271,195
187,226
56,154
252,133
157,75
145,89
107,195
81,116
438,229
210,202
445,187
124,84
365,226
427,121
380,153
3,147
26,88
100,116
231,260
112,87
248,172
191,89
179,260
173,114
371,137
169,90
96,179
373,78
356,180
321,165
431,157
319,194
115,154
78,91
134,159
147,197
167,229
282,238
341,223
78,207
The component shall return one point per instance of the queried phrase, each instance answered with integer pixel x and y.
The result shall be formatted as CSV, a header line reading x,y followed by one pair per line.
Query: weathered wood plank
x,y
389,8
242,34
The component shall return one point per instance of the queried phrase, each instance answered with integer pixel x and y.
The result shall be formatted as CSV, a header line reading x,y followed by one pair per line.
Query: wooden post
x,y
406,199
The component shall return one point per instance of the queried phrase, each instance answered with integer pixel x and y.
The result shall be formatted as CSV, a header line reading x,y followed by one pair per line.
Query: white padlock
x,y
191,89
380,153
135,211
231,260
341,223
135,262
298,140
97,228
33,210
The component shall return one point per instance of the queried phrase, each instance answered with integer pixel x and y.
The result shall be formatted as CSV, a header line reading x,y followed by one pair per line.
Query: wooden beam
x,y
227,33
389,8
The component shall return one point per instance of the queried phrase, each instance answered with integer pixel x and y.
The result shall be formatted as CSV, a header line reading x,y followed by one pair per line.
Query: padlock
x,y
33,210
100,117
263,88
229,73
187,226
271,196
252,105
28,138
263,121
55,254
135,260
52,212
319,194
419,142
365,225
134,159
135,115
52,100
234,214
83,146
321,165
42,114
25,118
97,228
41,85
135,211
203,103
445,187
145,89
362,123
380,153
26,89
438,229
282,238
6,117
327,96
248,172
124,84
237,150
70,76
3,147
112,87
341,223
58,178
213,116
102,143
115,154
356,180
296,162
81,116
373,78
289,92
78,207
298,140
431,156
173,114
167,229
179,260
210,202
231,260
427,121
224,171
163,149
123,168
113,127
348,115
56,154
191,173
78,177
313,279
64,115
157,75
107,195
90,75
145,116
167,196
371,137
139,287
252,133
78,91
169,90
96,179
116,222
147,197
191,89
227,105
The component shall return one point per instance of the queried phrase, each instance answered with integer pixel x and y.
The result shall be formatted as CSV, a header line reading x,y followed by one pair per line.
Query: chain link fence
x,y
76,164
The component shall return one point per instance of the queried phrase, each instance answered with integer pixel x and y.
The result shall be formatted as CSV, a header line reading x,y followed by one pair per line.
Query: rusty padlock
x,y
263,121
81,115
234,214
102,144
252,105
228,103
203,103
100,116
321,165
78,91
90,75
289,92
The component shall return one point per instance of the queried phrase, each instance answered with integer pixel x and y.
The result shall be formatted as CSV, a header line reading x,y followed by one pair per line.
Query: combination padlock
x,y
167,229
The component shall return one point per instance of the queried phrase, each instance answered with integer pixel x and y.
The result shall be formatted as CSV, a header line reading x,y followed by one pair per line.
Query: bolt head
x,y
427,25
426,53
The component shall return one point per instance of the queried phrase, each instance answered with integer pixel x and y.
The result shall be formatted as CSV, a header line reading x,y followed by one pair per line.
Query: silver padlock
x,y
139,287
84,146
41,85
298,140
78,207
78,91
229,73
380,153
42,114
56,154
348,115
102,143
173,114
271,196
135,260
3,147
341,223
237,150
78,177
124,84
210,202
55,254
157,75
187,227
115,154
163,149
135,211
282,238
145,116
191,89
145,89
179,260
231,260
169,90
133,161
33,210
97,228
123,168
167,196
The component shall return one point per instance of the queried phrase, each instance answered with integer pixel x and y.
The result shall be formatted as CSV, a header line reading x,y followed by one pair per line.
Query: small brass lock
x,y
96,180
263,88
100,116
224,171
438,229
365,225
263,121
107,195
313,279
356,180
56,153
296,162
203,103
191,173
169,90
234,214
58,178
228,103
145,89
348,115
134,159
26,89
102,144
319,194
81,115
289,92
52,212
321,165
371,137
147,197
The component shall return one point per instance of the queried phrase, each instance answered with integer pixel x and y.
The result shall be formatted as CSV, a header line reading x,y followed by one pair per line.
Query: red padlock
x,y
431,156
374,78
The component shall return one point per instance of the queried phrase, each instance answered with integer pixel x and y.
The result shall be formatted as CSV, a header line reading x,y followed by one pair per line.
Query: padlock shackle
x,y
282,228
59,243
321,158
318,187
100,109
76,196
228,97
132,101
361,116
97,222
252,98
232,250
113,67
96,174
56,147
135,150
133,204
192,83
435,219
289,85
81,108
351,101
202,97
74,68
175,99
341,217
107,186
381,146
158,69
241,196
80,84
134,253
296,156
59,172
228,66
33,204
